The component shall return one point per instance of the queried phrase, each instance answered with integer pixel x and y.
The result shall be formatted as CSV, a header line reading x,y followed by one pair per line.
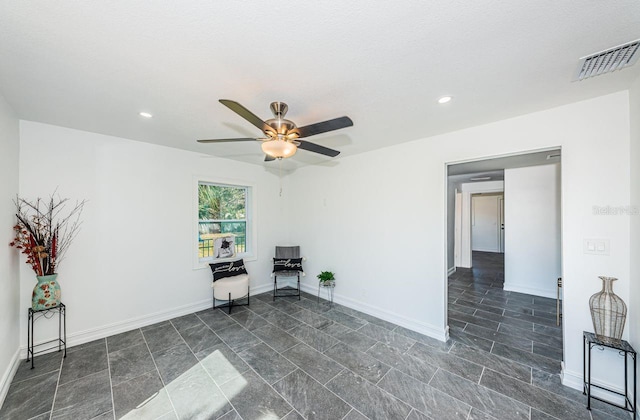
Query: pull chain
x,y
280,174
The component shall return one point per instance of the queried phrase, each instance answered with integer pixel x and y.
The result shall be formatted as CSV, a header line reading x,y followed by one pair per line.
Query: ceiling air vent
x,y
608,61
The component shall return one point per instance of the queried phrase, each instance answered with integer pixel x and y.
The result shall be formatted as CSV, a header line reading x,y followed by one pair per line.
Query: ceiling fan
x,y
282,137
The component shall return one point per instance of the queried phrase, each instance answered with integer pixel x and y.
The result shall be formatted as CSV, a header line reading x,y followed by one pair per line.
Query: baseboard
x,y
441,334
523,288
574,380
97,333
8,375
451,271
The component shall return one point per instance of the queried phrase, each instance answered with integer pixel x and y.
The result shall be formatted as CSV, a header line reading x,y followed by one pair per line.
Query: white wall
x,y
378,219
9,280
634,274
131,263
532,262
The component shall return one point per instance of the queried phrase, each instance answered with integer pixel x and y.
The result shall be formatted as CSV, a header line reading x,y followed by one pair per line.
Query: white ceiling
x,y
94,65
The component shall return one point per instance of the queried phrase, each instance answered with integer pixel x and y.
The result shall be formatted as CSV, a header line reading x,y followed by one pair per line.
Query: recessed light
x,y
444,99
480,178
145,114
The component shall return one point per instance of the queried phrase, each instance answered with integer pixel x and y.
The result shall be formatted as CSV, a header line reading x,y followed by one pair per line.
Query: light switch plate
x,y
596,246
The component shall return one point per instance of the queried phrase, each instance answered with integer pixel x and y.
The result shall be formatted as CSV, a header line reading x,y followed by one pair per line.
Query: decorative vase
x,y
608,312
46,294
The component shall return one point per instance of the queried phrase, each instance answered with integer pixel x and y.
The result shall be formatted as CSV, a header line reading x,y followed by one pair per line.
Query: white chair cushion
x,y
238,286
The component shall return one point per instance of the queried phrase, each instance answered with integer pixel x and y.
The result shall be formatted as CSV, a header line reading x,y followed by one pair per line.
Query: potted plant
x,y
327,278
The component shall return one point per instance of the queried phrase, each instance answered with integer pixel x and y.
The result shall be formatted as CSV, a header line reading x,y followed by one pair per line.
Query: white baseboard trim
x,y
451,271
441,334
574,380
97,333
8,375
523,288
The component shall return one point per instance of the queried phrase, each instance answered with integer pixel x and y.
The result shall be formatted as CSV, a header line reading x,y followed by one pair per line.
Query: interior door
x,y
485,223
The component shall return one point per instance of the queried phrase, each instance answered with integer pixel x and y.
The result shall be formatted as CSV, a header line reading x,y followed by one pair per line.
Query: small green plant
x,y
326,276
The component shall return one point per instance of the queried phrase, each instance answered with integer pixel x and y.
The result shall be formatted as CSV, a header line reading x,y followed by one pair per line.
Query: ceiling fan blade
x,y
323,127
226,140
244,113
316,148
268,158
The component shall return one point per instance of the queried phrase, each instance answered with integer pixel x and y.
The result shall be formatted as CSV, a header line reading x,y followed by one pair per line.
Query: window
x,y
223,212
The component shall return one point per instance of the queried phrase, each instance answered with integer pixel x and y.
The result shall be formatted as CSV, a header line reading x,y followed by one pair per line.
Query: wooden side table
x,y
624,348
61,341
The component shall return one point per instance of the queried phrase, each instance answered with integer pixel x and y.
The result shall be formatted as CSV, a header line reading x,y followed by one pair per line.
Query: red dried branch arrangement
x,y
43,234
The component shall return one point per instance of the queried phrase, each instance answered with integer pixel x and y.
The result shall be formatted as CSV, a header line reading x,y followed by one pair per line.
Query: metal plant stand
x,y
625,349
61,341
328,286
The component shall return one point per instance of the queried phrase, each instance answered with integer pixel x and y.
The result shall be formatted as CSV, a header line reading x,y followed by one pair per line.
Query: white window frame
x,y
251,242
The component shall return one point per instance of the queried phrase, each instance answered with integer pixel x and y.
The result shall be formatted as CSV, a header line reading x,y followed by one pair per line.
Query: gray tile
x,y
548,330
416,415
334,329
314,363
528,394
405,363
449,362
539,415
255,399
196,396
547,351
471,319
313,337
185,322
355,415
222,363
423,397
460,336
250,320
313,305
311,318
30,397
527,358
104,416
85,398
170,416
237,337
498,337
200,338
286,305
153,326
462,308
344,319
356,340
366,317
268,363
43,364
484,399
497,363
479,415
215,319
367,398
310,398
276,337
363,364
231,415
548,340
424,339
44,416
387,337
86,346
174,362
82,363
281,320
162,337
124,340
129,363
141,397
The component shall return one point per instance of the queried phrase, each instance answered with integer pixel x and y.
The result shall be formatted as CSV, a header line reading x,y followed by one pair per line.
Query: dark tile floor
x,y
293,359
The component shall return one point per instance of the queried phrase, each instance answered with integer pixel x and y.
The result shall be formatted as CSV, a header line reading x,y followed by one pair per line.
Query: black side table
x,y
625,349
61,341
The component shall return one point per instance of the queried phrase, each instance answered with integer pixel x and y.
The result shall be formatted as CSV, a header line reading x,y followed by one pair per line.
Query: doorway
x,y
484,309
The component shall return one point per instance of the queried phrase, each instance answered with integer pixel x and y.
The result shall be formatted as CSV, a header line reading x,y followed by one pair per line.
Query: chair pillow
x,y
227,269
287,264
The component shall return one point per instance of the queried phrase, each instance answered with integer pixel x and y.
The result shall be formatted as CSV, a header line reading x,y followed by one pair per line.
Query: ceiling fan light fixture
x,y
279,148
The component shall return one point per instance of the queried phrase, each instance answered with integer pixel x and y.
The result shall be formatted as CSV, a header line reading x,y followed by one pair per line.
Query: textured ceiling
x,y
94,65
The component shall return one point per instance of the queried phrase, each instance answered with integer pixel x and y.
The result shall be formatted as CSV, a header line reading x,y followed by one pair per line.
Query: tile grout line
x,y
113,404
55,394
164,386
